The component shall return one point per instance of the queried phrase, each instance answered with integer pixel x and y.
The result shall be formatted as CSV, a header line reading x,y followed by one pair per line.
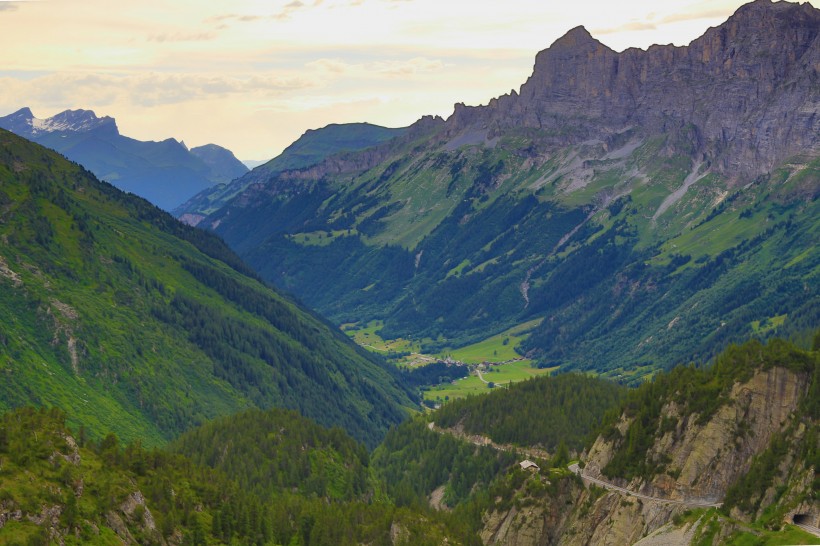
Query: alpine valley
x,y
644,207
644,224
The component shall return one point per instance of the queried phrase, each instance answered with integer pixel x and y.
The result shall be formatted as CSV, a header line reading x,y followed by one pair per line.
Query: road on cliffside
x,y
575,469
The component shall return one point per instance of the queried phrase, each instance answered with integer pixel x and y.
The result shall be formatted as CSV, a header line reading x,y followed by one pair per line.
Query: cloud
x,y
145,89
182,37
631,26
694,16
289,9
8,6
387,68
652,22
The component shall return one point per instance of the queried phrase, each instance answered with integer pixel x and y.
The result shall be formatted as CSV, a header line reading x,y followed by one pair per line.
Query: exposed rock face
x,y
745,93
533,521
709,457
705,460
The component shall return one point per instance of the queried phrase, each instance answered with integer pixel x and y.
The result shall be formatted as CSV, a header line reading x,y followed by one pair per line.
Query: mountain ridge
x,y
314,146
579,79
164,172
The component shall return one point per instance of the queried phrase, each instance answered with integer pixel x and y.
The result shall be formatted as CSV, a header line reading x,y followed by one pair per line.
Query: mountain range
x,y
166,173
643,207
624,212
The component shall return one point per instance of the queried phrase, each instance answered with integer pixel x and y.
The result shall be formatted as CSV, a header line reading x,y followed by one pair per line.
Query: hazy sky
x,y
253,75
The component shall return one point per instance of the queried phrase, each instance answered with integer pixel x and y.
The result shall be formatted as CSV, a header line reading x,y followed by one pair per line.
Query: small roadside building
x,y
527,464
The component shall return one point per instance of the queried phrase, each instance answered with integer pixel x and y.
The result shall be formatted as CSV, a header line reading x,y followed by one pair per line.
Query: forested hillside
x,y
543,412
58,488
717,454
268,452
134,323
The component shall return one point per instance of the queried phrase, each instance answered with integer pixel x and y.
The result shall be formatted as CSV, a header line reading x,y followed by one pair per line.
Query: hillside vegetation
x,y
542,412
268,452
58,488
742,432
134,323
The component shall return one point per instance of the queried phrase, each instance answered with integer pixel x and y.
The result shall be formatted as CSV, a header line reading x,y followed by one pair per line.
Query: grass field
x,y
498,348
368,338
500,375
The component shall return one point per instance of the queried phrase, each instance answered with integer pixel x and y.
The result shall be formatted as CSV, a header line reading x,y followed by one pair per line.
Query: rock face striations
x,y
746,92
736,446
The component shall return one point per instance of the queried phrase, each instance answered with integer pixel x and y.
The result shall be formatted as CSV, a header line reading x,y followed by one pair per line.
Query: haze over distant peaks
x,y
166,173
26,125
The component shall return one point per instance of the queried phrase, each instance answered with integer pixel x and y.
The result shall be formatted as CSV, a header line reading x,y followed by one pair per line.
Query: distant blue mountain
x,y
166,173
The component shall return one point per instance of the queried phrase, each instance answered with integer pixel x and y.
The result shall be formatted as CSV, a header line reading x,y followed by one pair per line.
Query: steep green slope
x,y
450,247
56,491
309,149
132,322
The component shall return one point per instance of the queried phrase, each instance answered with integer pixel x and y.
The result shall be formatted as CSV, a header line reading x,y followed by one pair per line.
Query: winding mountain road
x,y
575,469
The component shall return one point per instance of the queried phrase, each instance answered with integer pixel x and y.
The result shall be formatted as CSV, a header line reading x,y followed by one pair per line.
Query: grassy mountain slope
x,y
452,246
134,323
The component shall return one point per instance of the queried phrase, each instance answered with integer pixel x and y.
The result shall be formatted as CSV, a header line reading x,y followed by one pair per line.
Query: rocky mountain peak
x,y
575,38
746,92
25,124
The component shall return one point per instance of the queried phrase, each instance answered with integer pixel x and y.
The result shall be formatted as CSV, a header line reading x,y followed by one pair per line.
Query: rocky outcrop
x,y
745,94
706,458
533,518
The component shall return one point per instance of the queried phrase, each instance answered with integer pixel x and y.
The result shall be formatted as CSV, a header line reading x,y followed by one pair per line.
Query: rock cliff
x,y
746,93
753,453
706,458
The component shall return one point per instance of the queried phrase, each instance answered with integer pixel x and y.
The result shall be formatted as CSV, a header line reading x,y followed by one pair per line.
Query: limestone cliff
x,y
751,450
746,92
705,458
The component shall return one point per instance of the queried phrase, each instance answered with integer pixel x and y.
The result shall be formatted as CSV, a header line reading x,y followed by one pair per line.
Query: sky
x,y
254,75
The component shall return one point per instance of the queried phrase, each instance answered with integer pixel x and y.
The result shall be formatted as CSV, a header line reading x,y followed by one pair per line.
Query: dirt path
x,y
483,441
